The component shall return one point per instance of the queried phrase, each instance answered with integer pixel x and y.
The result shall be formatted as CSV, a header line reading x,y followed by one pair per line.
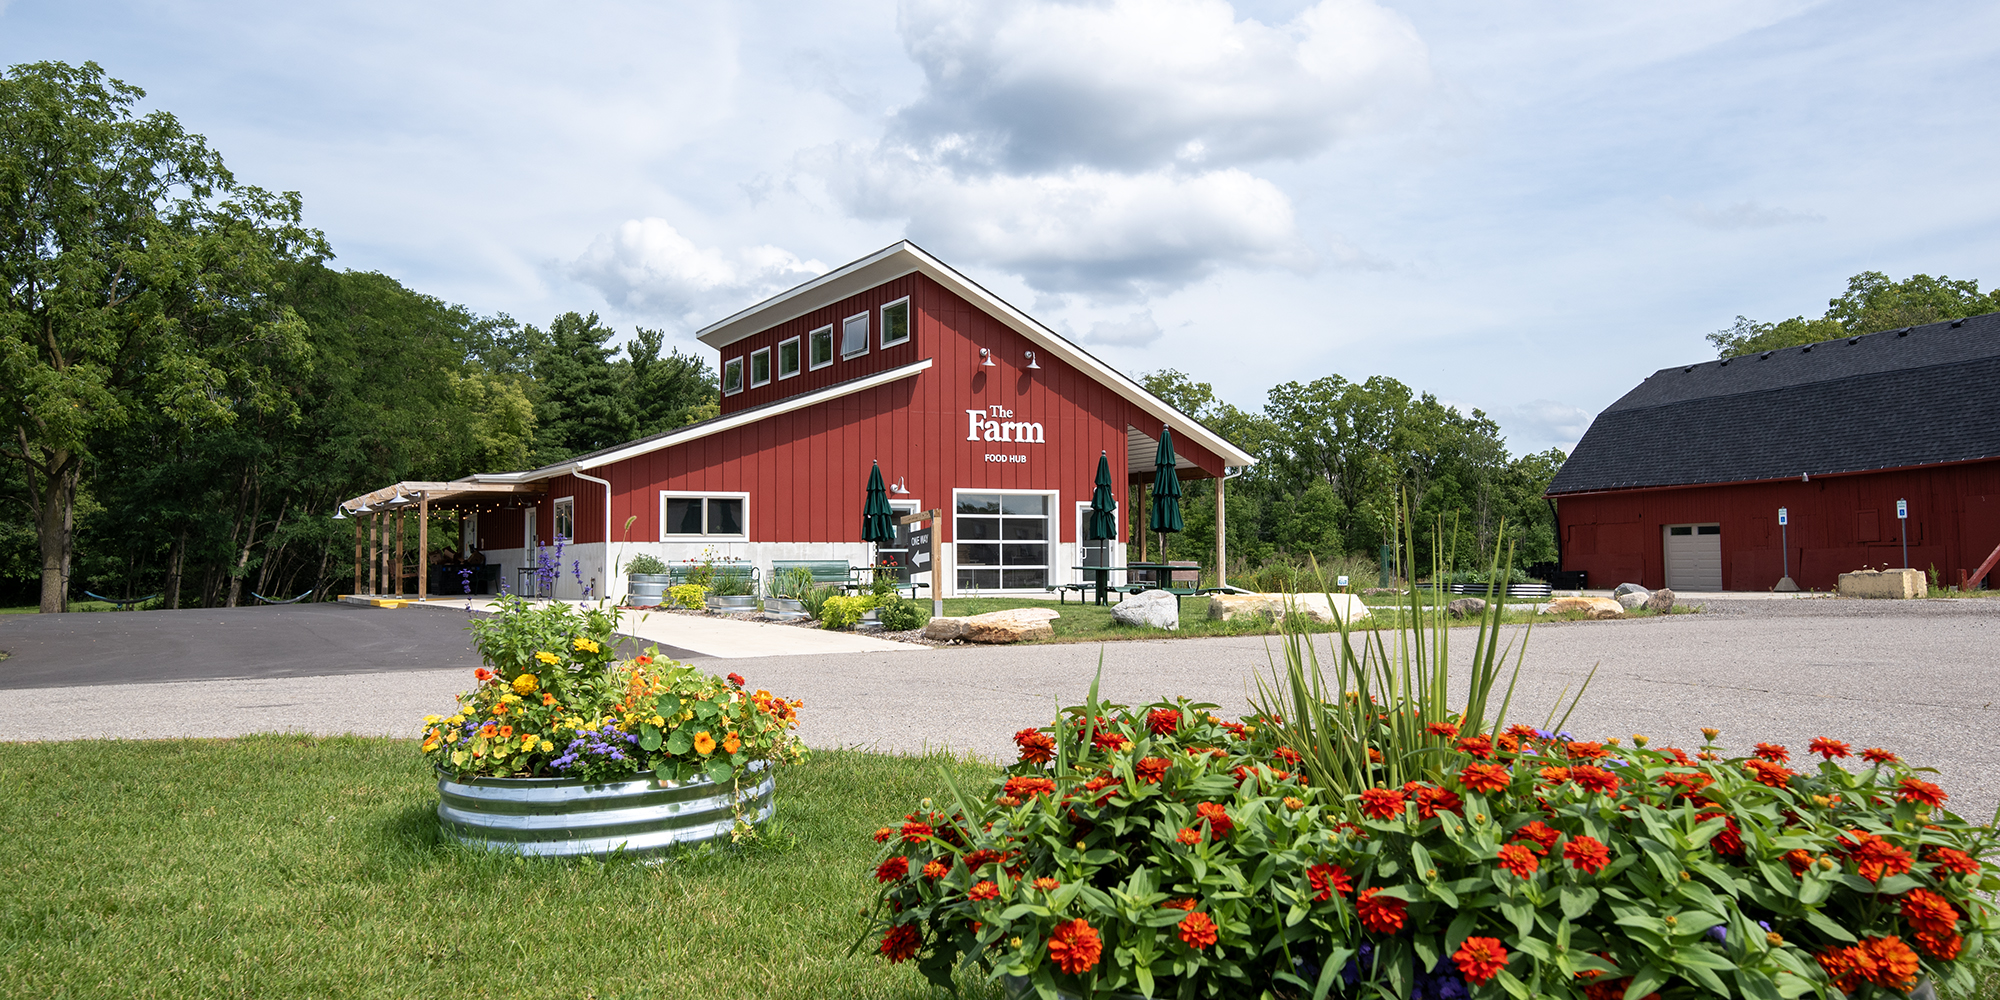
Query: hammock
x,y
114,600
272,600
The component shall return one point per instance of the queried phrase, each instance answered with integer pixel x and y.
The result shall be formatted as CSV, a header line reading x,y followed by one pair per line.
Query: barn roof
x,y
1900,398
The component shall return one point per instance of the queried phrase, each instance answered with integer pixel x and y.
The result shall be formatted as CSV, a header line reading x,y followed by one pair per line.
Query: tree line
x,y
188,388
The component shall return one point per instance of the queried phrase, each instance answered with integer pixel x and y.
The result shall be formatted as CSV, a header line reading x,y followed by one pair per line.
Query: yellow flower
x,y
656,720
587,645
549,658
433,718
547,746
704,743
528,741
526,684
455,719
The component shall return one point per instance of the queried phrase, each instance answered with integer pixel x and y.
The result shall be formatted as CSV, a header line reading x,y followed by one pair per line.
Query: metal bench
x,y
1081,590
835,572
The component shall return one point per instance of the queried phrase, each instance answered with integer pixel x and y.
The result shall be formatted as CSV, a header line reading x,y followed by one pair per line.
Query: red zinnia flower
x,y
1593,778
1151,769
482,674
1444,729
1555,775
1521,731
1772,751
1327,880
902,942
1186,905
982,890
1037,747
1197,931
1919,790
1875,858
1381,914
1543,835
1887,962
1381,803
1287,754
1163,721
914,833
979,859
1586,750
1728,843
1952,860
1877,755
1431,801
1480,746
1219,823
1772,774
1519,860
1829,748
935,869
1047,884
1188,836
1075,947
1110,741
1799,860
1927,911
1587,854
1940,946
1480,959
1024,787
882,835
889,871
735,680
1485,778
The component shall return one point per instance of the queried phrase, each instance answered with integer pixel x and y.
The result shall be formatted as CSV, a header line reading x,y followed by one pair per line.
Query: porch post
x,y
423,548
374,552
357,555
1221,539
402,528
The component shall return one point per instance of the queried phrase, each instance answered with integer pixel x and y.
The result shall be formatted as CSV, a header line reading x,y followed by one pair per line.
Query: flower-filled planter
x,y
1166,852
563,748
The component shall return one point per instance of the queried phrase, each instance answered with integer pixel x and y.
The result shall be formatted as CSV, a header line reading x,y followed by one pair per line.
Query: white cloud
x,y
1135,84
1742,215
650,268
1136,330
1543,423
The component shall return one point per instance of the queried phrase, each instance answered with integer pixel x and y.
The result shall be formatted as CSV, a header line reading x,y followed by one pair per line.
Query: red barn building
x,y
968,404
1679,483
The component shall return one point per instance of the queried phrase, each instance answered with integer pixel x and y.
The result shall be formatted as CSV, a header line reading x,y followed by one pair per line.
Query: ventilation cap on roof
x,y
1688,368
1764,355
1856,339
1806,350
1904,332
1955,324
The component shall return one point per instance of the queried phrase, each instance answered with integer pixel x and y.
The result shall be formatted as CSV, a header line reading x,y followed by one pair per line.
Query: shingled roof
x,y
1916,396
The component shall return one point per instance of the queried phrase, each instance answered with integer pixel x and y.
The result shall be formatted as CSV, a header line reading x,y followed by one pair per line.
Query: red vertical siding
x,y
1838,524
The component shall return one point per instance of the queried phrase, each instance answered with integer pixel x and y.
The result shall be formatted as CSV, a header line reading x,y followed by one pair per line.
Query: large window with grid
x,y
1003,541
704,515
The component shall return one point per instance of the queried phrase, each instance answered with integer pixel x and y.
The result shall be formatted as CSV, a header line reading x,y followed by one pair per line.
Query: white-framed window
x,y
566,519
819,348
854,336
711,515
896,322
760,367
732,376
472,539
788,358
1004,539
1093,553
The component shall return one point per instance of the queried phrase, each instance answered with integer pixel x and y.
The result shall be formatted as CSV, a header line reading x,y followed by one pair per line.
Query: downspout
x,y
577,471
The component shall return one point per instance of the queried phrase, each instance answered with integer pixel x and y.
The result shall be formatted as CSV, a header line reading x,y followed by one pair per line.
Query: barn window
x,y
566,519
788,358
896,322
821,347
703,515
854,336
1001,540
760,367
732,376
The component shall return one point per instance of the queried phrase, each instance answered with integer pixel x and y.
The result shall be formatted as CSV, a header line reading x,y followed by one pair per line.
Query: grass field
x,y
287,866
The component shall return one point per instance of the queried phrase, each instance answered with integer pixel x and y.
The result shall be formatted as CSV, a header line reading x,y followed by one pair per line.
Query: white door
x,y
1694,556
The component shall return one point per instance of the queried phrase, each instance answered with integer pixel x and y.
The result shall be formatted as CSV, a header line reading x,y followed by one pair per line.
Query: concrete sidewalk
x,y
720,637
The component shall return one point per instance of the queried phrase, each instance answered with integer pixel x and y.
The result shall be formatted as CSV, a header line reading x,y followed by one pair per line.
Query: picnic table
x,y
1181,579
1100,574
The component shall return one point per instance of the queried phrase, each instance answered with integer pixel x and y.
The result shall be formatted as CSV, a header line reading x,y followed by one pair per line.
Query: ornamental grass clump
x,y
556,701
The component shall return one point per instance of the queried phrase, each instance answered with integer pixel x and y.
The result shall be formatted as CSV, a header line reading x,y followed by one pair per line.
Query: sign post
x,y
924,553
1903,525
1785,539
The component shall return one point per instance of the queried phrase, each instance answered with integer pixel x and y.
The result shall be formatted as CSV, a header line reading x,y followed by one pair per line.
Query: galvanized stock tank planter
x,y
559,817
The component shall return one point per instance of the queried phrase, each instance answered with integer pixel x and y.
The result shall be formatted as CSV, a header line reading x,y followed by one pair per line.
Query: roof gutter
x,y
577,471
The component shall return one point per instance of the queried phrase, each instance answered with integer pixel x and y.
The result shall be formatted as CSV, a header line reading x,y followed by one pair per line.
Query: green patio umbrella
x,y
878,520
1166,487
1103,524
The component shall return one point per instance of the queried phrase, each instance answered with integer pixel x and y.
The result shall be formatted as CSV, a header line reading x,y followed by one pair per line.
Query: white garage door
x,y
1694,556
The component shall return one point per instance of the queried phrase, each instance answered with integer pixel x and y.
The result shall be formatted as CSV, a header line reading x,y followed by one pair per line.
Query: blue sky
x,y
1521,207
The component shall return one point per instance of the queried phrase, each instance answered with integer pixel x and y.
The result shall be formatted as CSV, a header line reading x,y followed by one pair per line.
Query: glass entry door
x,y
1002,540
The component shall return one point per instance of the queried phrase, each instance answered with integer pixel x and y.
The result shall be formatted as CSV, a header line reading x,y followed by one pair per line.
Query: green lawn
x,y
287,866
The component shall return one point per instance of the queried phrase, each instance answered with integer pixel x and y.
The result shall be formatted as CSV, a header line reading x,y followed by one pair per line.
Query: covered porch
x,y
383,536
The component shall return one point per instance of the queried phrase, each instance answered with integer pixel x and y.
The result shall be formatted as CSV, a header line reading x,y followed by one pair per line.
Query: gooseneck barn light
x,y
1031,361
986,357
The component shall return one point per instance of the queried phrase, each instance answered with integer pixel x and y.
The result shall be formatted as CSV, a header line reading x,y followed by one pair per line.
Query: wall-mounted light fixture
x,y
899,489
985,357
340,513
364,509
1031,361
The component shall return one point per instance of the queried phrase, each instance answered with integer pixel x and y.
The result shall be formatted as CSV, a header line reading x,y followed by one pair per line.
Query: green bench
x,y
824,571
678,573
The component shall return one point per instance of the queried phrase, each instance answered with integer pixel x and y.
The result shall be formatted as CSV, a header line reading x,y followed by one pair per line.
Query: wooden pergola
x,y
378,559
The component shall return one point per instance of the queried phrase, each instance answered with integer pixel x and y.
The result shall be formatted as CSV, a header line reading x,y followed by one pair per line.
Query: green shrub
x,y
814,601
645,564
732,580
686,595
900,614
844,611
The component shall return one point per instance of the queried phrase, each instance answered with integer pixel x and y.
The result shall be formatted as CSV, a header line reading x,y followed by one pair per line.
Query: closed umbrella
x,y
1103,524
878,519
1166,487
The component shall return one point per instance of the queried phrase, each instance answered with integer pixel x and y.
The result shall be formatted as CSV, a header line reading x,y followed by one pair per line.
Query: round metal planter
x,y
785,607
647,589
558,817
732,602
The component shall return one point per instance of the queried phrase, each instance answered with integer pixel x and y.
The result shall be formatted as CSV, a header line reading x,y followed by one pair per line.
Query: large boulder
x,y
1627,588
1630,599
1151,608
1223,607
1011,625
1662,601
1594,607
1466,606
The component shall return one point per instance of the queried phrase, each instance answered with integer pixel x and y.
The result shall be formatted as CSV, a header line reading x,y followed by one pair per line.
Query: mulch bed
x,y
914,636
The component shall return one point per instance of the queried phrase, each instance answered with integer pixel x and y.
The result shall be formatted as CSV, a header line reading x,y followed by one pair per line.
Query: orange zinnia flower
x,y
1022,787
1151,769
894,868
1327,880
1163,721
1829,748
1587,855
1593,778
1186,905
1519,860
902,942
1952,860
1197,931
1480,959
1188,836
935,869
884,834
1587,750
1772,751
1037,747
1075,947
982,890
1485,778
1543,835
1927,911
1877,755
1444,729
1217,817
1875,858
1919,790
1770,773
1047,884
1381,803
1380,914
914,833
1555,775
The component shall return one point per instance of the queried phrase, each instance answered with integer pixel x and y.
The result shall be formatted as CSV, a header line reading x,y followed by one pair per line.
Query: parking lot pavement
x,y
1915,677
